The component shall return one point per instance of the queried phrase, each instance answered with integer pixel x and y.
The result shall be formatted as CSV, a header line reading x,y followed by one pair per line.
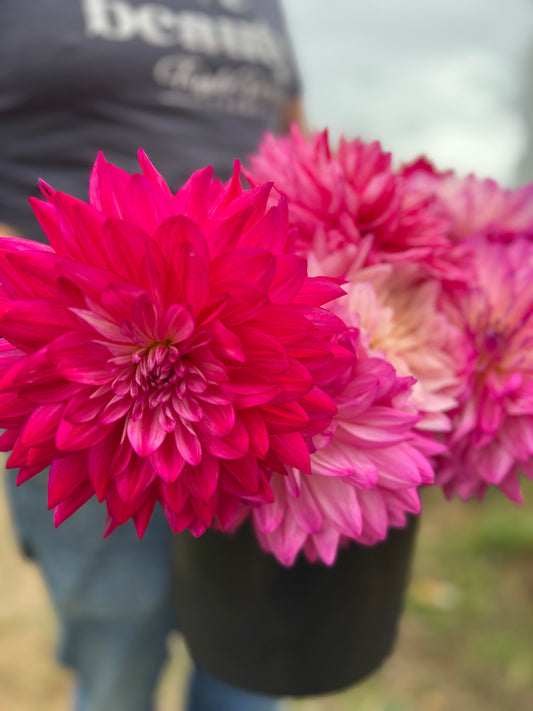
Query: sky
x,y
443,78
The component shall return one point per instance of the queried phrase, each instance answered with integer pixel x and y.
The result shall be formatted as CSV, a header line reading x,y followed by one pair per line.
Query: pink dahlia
x,y
365,472
474,205
164,348
492,437
350,207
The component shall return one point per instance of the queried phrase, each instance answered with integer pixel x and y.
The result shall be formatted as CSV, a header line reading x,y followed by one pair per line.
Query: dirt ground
x,y
465,642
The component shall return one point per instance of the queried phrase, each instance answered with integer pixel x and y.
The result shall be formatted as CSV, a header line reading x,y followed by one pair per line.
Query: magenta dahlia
x,y
164,348
365,472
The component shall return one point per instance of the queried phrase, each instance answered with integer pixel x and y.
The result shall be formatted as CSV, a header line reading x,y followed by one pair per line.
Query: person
x,y
194,83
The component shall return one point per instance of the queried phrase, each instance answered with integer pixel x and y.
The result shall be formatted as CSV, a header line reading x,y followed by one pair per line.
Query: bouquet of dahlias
x,y
438,272
304,352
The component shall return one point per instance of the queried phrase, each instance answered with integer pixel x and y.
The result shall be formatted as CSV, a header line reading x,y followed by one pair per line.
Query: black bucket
x,y
306,630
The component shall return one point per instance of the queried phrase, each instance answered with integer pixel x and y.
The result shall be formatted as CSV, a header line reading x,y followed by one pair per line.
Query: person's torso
x,y
193,82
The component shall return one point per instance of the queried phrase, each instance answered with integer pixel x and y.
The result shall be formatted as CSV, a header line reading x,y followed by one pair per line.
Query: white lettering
x,y
253,42
189,79
157,24
235,6
196,32
109,19
176,71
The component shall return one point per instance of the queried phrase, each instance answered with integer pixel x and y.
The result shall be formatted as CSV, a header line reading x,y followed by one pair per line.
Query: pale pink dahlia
x,y
349,205
492,437
165,348
365,472
400,310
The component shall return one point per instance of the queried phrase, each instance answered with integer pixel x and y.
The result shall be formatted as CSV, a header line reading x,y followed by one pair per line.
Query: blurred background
x,y
446,78
452,80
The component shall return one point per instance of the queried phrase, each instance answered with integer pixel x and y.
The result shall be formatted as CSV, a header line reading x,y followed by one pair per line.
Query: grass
x,y
464,642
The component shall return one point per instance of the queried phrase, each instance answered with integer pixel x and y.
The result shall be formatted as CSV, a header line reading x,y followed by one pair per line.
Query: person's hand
x,y
294,113
8,231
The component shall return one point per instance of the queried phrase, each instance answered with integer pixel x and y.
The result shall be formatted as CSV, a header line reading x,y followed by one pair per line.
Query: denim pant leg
x,y
113,599
112,596
118,664
206,693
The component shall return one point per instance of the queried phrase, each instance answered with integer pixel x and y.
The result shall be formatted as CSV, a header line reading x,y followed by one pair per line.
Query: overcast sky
x,y
441,77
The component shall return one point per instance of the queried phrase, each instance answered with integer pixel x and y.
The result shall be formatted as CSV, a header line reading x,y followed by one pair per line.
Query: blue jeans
x,y
113,601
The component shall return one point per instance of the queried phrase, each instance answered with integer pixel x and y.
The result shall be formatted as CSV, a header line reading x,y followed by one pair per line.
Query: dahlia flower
x,y
350,207
491,440
365,472
472,205
399,310
164,348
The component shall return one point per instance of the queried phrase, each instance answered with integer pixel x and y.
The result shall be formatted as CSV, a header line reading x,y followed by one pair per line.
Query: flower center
x,y
163,376
158,367
491,347
493,343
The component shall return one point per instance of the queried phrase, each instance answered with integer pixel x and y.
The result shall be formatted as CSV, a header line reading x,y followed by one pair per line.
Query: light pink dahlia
x,y
492,437
165,348
400,310
365,471
349,205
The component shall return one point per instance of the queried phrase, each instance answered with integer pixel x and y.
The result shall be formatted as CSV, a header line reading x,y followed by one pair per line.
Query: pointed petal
x,y
75,501
66,475
167,460
146,434
107,186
